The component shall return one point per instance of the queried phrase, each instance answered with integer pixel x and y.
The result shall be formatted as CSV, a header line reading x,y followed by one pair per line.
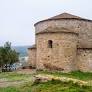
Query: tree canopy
x,y
8,56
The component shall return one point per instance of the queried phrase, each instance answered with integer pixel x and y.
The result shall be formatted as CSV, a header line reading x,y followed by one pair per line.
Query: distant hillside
x,y
22,50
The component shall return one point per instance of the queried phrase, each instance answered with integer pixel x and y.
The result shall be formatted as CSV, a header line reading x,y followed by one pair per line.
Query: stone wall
x,y
64,55
61,56
32,57
84,28
84,60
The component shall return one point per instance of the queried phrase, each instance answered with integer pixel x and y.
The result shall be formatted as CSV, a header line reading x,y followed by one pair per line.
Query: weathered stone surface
x,y
61,56
84,60
44,78
68,33
32,57
84,28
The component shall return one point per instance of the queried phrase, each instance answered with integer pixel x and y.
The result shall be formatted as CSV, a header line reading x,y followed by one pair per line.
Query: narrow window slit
x,y
50,43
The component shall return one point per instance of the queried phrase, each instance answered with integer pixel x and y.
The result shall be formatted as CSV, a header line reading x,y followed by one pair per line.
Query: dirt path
x,y
6,83
14,83
26,71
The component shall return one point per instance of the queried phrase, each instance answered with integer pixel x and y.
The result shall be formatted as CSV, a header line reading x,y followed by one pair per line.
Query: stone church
x,y
63,43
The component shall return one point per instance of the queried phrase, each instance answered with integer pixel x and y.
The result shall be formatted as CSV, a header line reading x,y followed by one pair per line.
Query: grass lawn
x,y
50,86
13,76
58,86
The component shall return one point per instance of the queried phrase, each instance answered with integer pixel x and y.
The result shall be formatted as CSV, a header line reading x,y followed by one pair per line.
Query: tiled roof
x,y
64,16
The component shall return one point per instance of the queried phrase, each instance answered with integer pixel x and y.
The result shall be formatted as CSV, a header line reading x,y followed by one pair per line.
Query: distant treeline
x,y
22,50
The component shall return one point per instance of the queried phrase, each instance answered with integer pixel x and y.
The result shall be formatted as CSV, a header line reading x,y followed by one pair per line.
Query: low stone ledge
x,y
44,78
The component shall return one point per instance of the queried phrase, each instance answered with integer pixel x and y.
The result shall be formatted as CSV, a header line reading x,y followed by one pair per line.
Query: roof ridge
x,y
64,16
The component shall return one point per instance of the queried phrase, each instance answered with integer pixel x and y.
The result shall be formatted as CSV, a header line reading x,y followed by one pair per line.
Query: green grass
x,y
58,86
13,76
77,74
9,89
50,86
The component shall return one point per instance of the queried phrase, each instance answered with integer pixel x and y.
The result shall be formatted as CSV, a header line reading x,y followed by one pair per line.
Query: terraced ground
x,y
22,81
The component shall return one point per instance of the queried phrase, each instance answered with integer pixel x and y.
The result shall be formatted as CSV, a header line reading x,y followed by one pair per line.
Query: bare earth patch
x,y
15,78
26,71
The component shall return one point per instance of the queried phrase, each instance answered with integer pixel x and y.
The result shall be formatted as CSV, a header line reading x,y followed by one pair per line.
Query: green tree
x,y
2,55
8,56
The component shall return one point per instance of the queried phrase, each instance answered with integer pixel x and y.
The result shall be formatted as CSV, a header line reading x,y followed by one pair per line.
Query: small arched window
x,y
50,43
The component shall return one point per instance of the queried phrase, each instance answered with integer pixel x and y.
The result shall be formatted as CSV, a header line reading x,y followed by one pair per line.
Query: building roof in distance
x,y
64,16
32,47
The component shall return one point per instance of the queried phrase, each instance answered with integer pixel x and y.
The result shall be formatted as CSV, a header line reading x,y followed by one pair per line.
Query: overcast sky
x,y
17,17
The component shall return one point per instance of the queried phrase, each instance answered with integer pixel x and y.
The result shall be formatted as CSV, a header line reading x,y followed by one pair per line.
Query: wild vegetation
x,y
50,86
24,82
8,57
58,86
